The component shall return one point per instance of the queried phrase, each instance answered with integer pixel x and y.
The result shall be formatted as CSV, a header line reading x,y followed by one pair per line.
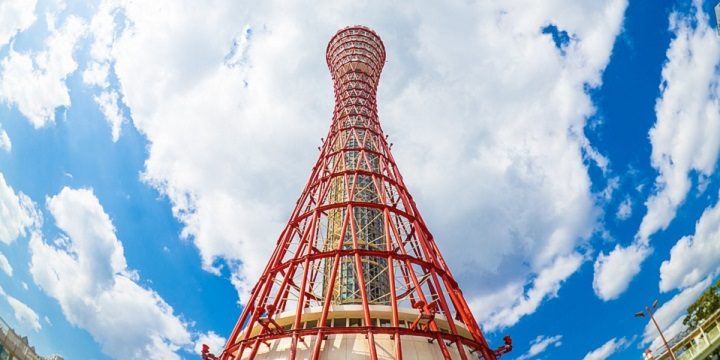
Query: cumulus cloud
x,y
104,28
5,143
86,272
546,285
495,123
694,257
96,74
35,82
17,212
240,93
606,350
685,137
539,345
613,271
5,265
24,314
108,101
624,210
15,16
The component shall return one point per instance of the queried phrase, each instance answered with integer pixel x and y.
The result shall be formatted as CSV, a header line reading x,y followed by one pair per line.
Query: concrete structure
x,y
356,273
16,347
355,346
702,342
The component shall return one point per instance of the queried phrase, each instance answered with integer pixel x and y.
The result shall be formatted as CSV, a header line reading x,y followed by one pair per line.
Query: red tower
x,y
356,273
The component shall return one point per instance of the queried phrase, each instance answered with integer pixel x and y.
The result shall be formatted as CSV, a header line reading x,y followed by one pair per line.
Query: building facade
x,y
14,346
700,343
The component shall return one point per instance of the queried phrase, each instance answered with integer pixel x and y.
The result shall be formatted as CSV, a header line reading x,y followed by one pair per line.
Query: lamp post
x,y
649,310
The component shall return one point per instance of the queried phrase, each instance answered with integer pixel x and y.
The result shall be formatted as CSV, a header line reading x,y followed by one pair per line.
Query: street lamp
x,y
649,313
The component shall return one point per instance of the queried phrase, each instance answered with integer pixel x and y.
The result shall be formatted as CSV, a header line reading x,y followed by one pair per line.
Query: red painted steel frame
x,y
354,186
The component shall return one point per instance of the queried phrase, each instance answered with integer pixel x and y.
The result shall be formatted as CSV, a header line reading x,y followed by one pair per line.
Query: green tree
x,y
704,306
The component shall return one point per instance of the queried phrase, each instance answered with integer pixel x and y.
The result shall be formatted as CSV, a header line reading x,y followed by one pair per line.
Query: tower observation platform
x,y
356,274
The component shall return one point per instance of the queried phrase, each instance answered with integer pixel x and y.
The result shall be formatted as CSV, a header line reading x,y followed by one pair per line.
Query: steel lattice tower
x,y
356,273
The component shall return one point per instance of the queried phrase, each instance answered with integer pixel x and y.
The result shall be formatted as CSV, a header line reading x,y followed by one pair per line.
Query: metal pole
x,y
672,356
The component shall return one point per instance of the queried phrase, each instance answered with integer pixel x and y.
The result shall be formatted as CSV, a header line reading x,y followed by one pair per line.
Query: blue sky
x,y
564,155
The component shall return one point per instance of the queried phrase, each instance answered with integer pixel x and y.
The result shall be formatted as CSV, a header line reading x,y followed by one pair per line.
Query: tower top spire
x,y
355,48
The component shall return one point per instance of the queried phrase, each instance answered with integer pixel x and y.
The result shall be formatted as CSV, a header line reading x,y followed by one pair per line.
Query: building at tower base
x,y
354,345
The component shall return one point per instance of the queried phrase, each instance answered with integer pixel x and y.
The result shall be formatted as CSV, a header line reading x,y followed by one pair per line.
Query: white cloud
x,y
5,265
694,257
108,101
670,315
599,159
24,285
23,313
606,350
96,74
104,29
539,345
686,135
5,143
88,275
624,210
35,82
612,185
211,339
614,271
238,97
518,304
17,213
15,16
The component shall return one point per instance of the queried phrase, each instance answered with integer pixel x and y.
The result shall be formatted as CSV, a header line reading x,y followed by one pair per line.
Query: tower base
x,y
346,336
355,346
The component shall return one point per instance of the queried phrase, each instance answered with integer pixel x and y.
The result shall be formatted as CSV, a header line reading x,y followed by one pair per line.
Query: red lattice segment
x,y
356,256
